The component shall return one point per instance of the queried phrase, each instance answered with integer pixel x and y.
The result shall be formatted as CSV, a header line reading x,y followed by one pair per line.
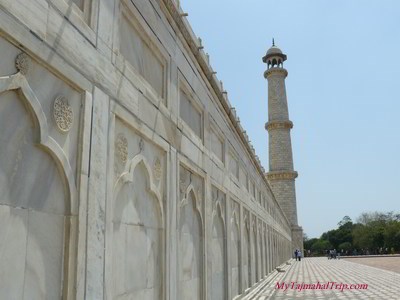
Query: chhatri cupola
x,y
274,57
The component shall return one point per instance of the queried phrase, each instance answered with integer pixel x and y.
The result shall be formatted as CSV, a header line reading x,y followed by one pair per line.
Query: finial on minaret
x,y
273,42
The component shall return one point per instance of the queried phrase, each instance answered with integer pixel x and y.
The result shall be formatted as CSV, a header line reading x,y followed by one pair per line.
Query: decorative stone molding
x,y
282,175
278,125
121,148
22,63
62,113
157,169
203,60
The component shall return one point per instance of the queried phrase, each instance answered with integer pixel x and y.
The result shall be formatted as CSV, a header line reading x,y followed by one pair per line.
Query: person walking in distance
x,y
299,255
296,253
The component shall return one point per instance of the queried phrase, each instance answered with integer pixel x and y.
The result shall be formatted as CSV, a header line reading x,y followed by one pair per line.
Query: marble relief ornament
x,y
63,114
22,63
121,148
157,169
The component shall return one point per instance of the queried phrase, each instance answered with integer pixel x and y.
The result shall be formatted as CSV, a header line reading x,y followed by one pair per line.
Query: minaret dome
x,y
274,57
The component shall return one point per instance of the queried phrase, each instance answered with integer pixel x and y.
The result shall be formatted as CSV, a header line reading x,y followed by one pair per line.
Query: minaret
x,y
281,174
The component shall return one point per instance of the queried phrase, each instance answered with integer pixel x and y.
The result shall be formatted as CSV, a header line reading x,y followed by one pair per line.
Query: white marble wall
x,y
106,191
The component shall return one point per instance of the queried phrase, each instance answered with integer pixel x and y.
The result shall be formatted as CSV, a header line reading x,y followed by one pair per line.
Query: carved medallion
x,y
157,169
121,148
22,63
63,114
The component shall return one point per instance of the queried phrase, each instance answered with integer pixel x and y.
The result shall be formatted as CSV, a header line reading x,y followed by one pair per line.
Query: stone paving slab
x,y
331,279
387,263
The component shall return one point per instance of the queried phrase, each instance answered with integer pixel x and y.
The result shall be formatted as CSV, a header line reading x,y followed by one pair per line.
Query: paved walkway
x,y
334,279
387,263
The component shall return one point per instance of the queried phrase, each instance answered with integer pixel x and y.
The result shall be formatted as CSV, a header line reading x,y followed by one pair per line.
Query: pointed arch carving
x,y
17,82
246,220
235,218
190,190
219,205
127,177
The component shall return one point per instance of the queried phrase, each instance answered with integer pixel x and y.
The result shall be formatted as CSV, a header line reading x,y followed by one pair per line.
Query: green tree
x,y
392,235
345,246
309,242
320,246
345,220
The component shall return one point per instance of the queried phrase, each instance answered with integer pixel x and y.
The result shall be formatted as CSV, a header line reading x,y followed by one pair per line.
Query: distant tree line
x,y
373,233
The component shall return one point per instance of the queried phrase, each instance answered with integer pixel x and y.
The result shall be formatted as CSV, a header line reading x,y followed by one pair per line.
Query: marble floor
x,y
320,278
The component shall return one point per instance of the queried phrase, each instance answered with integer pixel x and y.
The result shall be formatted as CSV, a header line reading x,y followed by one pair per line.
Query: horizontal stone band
x,y
279,125
275,71
282,175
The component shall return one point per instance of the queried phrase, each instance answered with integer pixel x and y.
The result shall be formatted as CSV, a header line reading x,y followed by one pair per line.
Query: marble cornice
x,y
178,17
279,125
282,175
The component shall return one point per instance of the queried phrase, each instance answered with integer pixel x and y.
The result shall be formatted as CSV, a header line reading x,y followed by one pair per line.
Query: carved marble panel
x,y
37,179
218,248
247,267
190,249
138,230
235,260
128,144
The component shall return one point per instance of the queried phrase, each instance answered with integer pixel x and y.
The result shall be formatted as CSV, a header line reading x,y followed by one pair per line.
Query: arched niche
x,y
260,258
39,199
254,253
218,255
235,255
137,235
190,250
247,267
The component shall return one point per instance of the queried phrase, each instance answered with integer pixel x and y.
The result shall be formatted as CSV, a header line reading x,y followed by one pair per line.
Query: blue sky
x,y
343,91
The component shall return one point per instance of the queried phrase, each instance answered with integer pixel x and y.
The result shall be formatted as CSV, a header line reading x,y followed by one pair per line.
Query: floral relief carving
x,y
121,148
22,63
63,113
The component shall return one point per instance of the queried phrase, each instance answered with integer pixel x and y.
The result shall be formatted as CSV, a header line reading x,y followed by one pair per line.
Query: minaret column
x,y
281,175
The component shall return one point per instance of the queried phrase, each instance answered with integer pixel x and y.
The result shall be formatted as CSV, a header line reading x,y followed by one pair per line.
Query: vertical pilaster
x,y
97,197
172,226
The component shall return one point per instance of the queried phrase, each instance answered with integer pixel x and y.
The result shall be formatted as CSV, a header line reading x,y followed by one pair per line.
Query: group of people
x,y
297,255
333,254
